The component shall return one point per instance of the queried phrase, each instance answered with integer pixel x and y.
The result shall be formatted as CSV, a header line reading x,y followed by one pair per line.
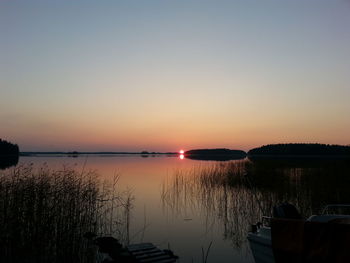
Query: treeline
x,y
220,154
293,149
7,148
9,154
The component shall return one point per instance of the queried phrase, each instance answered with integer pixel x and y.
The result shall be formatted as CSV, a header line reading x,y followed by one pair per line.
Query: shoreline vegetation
x,y
8,148
238,193
220,154
45,213
300,150
288,150
9,154
284,149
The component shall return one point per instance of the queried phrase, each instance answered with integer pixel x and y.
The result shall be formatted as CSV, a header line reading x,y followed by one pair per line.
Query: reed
x,y
218,194
233,195
45,213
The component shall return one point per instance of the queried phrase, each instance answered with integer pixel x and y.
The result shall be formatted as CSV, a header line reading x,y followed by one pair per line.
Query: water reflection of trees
x,y
44,214
235,194
313,183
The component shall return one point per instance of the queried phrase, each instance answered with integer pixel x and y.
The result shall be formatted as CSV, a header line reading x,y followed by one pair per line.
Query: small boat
x,y
287,237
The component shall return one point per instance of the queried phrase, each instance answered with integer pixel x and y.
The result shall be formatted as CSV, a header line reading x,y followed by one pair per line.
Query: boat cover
x,y
304,241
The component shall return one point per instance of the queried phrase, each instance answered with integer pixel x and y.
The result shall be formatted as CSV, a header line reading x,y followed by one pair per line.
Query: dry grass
x,y
44,213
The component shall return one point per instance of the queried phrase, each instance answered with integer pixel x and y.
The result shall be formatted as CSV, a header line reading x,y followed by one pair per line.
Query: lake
x,y
202,210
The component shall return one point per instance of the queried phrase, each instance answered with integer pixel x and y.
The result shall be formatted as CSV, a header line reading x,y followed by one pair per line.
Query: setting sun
x,y
181,151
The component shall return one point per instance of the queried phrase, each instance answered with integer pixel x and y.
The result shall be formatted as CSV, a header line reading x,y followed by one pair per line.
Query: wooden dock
x,y
147,252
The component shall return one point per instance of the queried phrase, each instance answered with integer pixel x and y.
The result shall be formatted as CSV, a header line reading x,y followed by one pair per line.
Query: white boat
x,y
260,238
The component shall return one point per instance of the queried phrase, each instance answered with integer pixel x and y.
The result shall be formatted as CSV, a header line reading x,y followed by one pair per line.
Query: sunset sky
x,y
169,75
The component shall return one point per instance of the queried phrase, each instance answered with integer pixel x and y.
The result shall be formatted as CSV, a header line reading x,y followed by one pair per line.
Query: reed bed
x,y
233,195
217,193
45,213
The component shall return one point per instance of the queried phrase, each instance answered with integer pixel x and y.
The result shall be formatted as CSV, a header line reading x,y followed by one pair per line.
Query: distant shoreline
x,y
249,156
297,156
94,153
291,150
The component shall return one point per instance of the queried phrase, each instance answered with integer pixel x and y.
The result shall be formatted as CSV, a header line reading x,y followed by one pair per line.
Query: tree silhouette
x,y
8,154
301,149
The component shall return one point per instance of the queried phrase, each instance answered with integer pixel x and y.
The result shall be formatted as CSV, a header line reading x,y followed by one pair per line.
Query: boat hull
x,y
261,248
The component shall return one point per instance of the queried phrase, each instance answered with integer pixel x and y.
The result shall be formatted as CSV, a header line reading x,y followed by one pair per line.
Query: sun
x,y
181,151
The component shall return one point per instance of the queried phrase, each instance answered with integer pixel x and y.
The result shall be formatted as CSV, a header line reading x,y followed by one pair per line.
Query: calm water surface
x,y
191,206
186,230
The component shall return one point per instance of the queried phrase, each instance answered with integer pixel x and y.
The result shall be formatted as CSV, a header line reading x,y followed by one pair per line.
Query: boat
x,y
287,237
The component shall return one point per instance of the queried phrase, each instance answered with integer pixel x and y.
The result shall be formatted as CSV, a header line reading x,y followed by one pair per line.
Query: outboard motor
x,y
287,211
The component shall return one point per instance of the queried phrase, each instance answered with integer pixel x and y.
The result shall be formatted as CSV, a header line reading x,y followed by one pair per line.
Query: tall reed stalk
x,y
236,194
45,213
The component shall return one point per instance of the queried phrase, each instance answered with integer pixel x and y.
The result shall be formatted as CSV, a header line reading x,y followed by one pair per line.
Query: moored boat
x,y
287,237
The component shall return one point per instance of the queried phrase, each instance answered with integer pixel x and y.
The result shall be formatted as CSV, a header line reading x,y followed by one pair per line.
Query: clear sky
x,y
165,75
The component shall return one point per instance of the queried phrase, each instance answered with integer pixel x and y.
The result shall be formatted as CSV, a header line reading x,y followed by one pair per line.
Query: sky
x,y
169,75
